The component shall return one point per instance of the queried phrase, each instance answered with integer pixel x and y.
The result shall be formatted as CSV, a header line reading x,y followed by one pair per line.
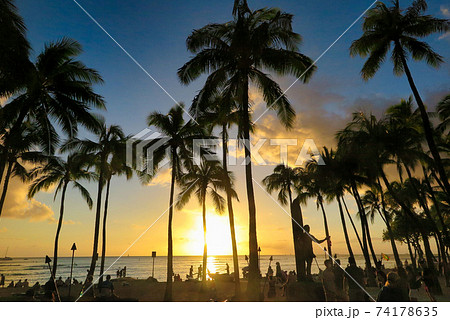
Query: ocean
x,y
35,269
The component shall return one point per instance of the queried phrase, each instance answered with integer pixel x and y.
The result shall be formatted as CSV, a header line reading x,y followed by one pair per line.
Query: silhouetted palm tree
x,y
58,89
385,26
223,114
235,54
60,173
178,138
206,178
284,179
110,140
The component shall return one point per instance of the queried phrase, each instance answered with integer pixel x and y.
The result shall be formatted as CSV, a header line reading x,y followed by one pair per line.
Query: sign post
x,y
153,268
74,247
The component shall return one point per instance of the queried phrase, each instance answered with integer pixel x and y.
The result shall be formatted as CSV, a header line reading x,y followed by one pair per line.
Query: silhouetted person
x,y
354,279
339,281
25,284
272,289
11,284
428,280
118,273
329,281
228,269
2,280
306,239
191,272
125,271
200,270
19,284
392,292
270,271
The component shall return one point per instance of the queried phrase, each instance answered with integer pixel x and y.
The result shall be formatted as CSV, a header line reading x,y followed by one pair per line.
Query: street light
x,y
74,247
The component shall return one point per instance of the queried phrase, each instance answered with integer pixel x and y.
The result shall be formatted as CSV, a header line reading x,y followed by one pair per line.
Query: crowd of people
x,y
122,273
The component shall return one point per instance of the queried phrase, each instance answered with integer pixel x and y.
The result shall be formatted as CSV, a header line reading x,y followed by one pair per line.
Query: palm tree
x,y
20,154
116,167
223,114
110,140
58,89
284,179
14,49
179,136
384,26
207,178
235,53
60,173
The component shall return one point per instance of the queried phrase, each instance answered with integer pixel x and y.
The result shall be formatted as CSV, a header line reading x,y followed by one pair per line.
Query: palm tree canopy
x,y
284,179
237,51
57,172
393,26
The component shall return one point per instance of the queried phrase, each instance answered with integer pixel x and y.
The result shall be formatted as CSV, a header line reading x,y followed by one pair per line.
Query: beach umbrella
x,y
47,261
74,247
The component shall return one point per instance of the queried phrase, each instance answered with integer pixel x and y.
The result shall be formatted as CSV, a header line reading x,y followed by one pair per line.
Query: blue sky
x,y
154,33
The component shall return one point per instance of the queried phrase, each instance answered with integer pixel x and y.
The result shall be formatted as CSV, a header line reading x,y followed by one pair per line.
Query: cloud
x,y
445,11
17,206
163,178
3,230
445,36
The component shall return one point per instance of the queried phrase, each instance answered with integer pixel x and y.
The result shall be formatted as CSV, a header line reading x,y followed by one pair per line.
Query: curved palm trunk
x,y
411,255
253,287
105,215
168,292
237,285
344,227
325,224
5,186
427,127
353,225
426,243
363,228
398,262
58,230
369,242
205,244
97,223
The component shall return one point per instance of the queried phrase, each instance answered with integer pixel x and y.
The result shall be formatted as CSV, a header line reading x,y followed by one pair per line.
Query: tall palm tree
x,y
179,136
235,53
207,178
223,114
116,167
60,173
110,140
385,26
58,89
284,179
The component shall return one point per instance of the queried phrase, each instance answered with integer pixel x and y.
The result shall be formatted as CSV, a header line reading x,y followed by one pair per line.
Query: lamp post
x,y
259,259
74,247
47,261
153,268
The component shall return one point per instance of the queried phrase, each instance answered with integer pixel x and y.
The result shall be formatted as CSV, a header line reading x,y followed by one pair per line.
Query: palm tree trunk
x,y
426,243
398,262
427,126
105,215
369,242
168,292
297,225
58,230
353,225
5,186
344,227
411,255
237,285
253,287
205,245
97,221
325,224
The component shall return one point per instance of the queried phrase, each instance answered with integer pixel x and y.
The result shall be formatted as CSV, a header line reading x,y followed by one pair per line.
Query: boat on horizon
x,y
6,258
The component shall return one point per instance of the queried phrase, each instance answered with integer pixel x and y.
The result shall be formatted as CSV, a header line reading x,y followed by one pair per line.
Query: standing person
x,y
118,273
228,268
306,240
354,273
200,271
270,271
2,280
428,280
329,281
125,271
191,272
339,281
279,273
392,291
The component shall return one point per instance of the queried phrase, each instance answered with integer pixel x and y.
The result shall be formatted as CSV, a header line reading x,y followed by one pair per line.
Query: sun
x,y
217,235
